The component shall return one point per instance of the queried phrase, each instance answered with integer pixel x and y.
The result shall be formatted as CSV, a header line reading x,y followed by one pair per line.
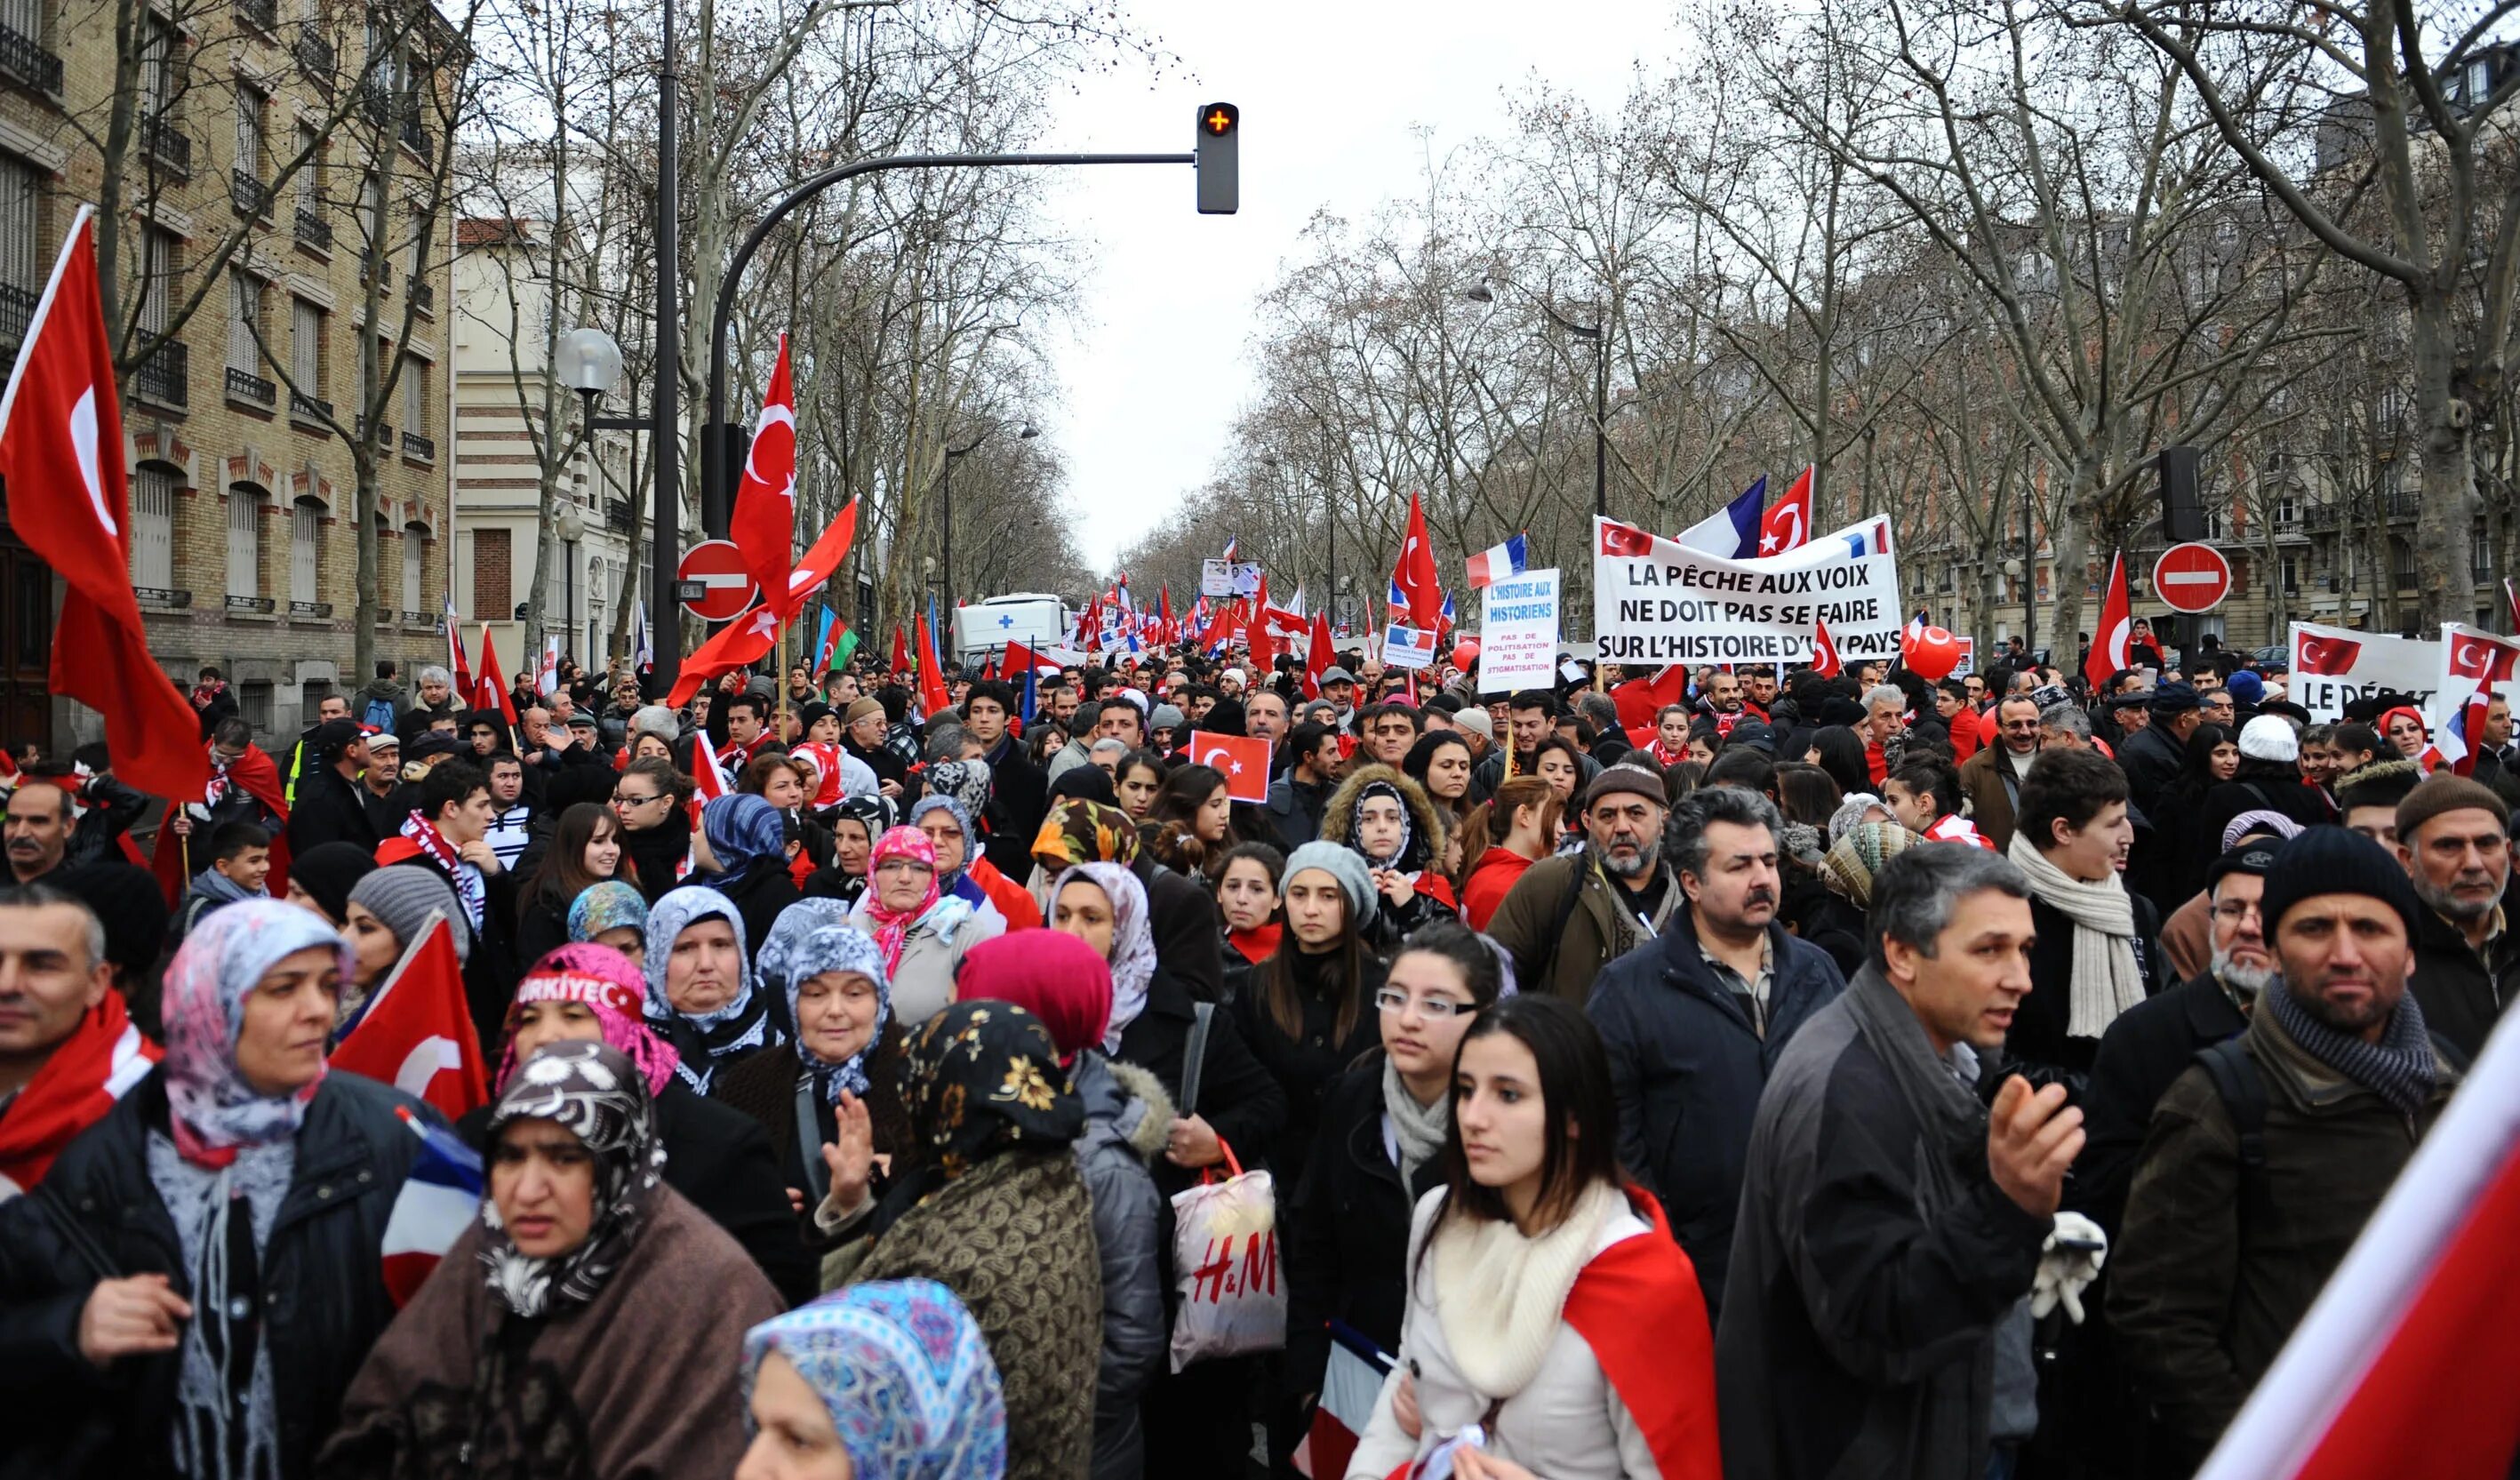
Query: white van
x,y
1029,617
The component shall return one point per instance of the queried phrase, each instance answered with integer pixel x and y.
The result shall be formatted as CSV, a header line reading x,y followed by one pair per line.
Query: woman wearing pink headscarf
x,y
921,931
717,1157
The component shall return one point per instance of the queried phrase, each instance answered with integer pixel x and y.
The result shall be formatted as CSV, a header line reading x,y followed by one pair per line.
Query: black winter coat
x,y
722,1164
1293,811
2037,1048
1347,1229
1305,1066
1019,799
2140,1057
1687,1069
1236,1097
1183,916
97,1216
657,854
329,810
2462,995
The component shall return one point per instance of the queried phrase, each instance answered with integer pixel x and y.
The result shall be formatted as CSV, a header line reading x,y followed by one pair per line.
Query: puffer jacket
x,y
1126,1116
98,1216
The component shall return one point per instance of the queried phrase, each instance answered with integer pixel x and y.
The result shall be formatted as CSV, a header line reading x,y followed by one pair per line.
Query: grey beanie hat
x,y
1167,717
1343,864
656,720
404,895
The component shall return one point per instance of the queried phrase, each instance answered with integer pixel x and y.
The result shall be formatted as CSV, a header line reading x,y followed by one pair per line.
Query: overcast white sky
x,y
1332,92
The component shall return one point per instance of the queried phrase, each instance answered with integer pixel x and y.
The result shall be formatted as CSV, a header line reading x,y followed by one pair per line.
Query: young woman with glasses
x,y
656,830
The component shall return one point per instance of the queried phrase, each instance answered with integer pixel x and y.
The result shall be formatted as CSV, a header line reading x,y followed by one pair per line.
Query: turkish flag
x,y
417,1033
60,452
1787,521
1620,541
1317,654
1825,660
741,640
2110,654
2327,657
933,697
492,690
2476,656
1241,759
1642,699
820,564
1415,575
764,522
1257,632
900,653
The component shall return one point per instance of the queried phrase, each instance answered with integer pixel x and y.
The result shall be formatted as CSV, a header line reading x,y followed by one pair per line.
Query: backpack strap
x,y
2243,1091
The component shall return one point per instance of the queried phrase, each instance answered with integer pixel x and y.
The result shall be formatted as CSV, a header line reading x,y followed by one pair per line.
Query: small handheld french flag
x,y
437,1202
1489,567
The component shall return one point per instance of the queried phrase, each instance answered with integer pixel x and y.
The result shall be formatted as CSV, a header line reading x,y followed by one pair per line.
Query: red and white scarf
x,y
468,879
87,1072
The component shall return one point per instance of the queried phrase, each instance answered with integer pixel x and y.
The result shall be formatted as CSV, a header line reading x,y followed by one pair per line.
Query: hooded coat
x,y
1126,1116
1423,854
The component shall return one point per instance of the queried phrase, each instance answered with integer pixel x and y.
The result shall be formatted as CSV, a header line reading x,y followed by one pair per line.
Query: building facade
x,y
273,162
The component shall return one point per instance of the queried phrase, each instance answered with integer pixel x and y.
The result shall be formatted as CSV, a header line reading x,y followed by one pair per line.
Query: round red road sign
x,y
2191,577
716,567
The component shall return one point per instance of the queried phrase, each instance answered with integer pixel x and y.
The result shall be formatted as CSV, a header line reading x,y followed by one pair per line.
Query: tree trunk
x,y
2073,540
2444,590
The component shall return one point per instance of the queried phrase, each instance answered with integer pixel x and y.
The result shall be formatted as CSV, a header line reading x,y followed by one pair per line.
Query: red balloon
x,y
1930,655
1465,654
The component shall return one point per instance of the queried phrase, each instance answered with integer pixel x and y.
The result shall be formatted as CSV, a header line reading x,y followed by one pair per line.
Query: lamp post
x,y
571,526
945,502
1597,333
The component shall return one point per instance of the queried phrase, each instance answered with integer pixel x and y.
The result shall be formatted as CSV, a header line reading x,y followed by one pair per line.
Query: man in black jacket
x,y
1890,1225
1017,795
330,806
1695,1021
1293,809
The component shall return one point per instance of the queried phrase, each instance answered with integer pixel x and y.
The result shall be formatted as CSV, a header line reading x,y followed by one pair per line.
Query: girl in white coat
x,y
1554,1326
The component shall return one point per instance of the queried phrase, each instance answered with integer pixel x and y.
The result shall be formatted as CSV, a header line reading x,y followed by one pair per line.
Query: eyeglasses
x,y
904,865
2235,910
1436,1007
621,800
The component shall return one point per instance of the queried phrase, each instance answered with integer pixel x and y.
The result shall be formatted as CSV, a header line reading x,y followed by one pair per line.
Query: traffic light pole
x,y
716,497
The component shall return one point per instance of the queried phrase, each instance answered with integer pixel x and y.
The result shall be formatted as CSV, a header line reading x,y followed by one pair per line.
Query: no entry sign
x,y
716,567
2191,577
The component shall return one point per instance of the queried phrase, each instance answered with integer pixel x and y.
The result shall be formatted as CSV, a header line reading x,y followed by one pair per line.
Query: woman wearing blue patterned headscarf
x,y
747,840
892,1374
702,995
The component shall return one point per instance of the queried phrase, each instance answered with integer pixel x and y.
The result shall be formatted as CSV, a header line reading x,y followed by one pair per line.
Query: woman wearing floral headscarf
x,y
843,1068
611,913
714,1154
169,1367
749,839
997,1212
893,1377
588,1324
921,931
1179,911
703,996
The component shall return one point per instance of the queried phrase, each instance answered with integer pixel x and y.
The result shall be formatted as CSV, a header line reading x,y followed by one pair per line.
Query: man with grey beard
x,y
2453,837
1571,915
2151,1044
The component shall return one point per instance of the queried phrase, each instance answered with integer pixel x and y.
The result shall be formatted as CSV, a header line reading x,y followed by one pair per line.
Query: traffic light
x,y
1219,190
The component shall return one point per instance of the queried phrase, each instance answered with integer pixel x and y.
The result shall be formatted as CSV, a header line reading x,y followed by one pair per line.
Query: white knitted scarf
x,y
1499,1295
2105,981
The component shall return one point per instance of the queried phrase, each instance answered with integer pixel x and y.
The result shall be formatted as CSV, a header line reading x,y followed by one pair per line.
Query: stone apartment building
x,y
241,496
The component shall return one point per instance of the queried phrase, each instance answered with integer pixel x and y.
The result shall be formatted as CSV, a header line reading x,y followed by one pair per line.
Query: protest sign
x,y
1407,646
1658,602
1229,579
1518,632
2333,666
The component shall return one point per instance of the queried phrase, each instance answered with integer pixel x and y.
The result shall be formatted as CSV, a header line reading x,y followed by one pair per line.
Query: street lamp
x,y
946,503
571,526
1480,293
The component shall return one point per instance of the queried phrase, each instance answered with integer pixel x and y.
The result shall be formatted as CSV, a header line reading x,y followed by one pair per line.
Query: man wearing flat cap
x,y
2454,834
2267,1157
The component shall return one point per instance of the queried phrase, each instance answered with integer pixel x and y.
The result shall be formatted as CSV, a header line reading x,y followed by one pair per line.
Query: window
x,y
24,16
305,549
23,264
415,545
2291,575
310,175
245,540
152,527
2287,512
492,573
2480,555
159,281
248,132
415,397
161,55
306,347
245,321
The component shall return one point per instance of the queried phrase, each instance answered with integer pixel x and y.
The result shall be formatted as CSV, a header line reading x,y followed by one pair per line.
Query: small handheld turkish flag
x,y
1825,660
1620,541
1241,759
61,453
417,1033
2111,649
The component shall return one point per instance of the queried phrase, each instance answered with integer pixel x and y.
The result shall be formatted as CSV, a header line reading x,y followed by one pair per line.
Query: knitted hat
x,y
1343,864
1751,733
2245,688
1855,859
2268,739
127,903
2255,821
1167,717
329,871
2332,860
2255,857
658,721
2446,792
404,895
1476,722
1850,813
1628,776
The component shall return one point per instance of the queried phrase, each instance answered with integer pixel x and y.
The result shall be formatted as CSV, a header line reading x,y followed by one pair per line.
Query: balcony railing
x,y
250,197
315,55
165,376
250,603
161,139
245,385
17,313
262,15
414,445
381,433
23,58
309,408
313,230
160,595
316,609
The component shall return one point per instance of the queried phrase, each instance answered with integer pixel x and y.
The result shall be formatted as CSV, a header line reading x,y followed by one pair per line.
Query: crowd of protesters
x,y
1783,1075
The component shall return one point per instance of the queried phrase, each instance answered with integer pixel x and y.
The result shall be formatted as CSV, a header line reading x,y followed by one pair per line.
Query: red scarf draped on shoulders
x,y
104,1056
1637,1306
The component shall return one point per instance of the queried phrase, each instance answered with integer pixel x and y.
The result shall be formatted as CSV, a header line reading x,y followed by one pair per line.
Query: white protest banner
x,y
1657,602
2333,666
1518,632
2474,663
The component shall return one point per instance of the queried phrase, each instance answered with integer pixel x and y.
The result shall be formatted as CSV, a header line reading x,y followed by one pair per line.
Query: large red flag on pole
x,y
492,690
1415,577
933,697
764,522
2109,652
61,450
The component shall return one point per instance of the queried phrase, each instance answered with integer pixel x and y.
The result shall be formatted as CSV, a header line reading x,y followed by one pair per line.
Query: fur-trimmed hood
x,y
1426,824
1146,1116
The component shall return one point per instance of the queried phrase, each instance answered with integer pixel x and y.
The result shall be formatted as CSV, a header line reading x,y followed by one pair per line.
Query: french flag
x,y
1732,533
438,1200
1350,1385
2406,1360
1489,567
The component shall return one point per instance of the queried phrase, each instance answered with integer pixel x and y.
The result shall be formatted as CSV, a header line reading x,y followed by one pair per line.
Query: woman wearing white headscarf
x,y
702,995
190,1287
